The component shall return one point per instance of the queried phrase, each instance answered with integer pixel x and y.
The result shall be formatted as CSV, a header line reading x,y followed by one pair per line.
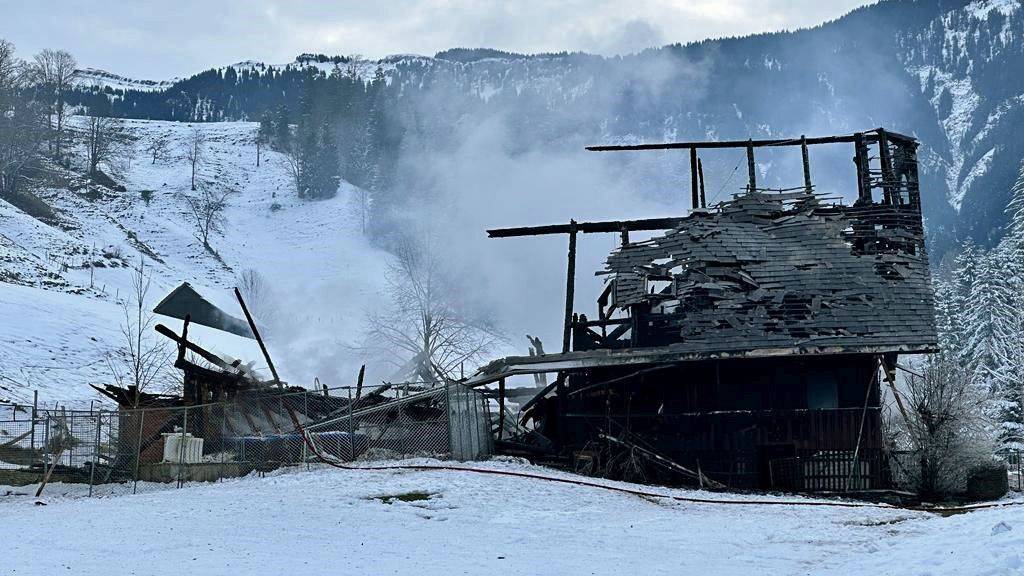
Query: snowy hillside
x,y
441,522
60,314
94,78
961,59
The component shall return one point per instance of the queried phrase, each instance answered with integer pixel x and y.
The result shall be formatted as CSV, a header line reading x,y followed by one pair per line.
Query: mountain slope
x,y
938,69
61,315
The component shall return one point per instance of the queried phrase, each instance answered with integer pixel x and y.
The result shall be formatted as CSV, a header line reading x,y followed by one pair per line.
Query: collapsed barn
x,y
741,345
227,421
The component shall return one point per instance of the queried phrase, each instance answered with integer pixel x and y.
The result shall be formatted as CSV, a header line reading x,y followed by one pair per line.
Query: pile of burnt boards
x,y
741,345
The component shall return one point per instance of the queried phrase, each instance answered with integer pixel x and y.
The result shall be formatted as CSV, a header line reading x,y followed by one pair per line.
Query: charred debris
x,y
741,345
232,409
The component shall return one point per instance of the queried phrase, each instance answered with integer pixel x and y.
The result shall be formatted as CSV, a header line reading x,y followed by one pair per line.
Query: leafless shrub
x,y
945,430
195,148
159,148
141,362
258,295
425,330
207,211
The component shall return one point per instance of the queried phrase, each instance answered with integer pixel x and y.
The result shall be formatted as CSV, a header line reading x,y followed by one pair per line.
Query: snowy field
x,y
332,521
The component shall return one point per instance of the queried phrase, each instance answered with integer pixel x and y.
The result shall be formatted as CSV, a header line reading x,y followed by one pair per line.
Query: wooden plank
x,y
570,289
259,340
694,186
616,226
849,138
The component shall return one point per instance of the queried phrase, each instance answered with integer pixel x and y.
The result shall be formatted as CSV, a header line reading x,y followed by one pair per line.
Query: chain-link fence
x,y
129,450
1015,467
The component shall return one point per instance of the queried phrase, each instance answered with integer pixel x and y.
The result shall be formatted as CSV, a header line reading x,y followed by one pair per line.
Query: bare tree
x,y
258,295
425,321
10,67
103,142
141,361
945,428
195,147
159,147
55,71
293,161
362,201
207,211
23,123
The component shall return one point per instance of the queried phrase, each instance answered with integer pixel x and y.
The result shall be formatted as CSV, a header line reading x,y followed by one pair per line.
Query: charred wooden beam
x,y
570,288
613,226
694,186
700,176
888,176
805,155
259,340
199,350
863,174
501,408
850,138
751,168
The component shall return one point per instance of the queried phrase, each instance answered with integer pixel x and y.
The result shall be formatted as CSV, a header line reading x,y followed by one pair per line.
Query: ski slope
x,y
331,521
59,316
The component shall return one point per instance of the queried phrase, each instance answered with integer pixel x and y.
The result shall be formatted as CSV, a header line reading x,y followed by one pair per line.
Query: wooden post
x,y
807,164
888,177
863,176
359,382
183,344
256,333
694,189
700,175
501,408
751,168
570,287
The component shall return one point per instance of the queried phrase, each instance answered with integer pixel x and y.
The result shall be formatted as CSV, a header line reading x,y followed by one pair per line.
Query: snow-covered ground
x,y
331,521
58,318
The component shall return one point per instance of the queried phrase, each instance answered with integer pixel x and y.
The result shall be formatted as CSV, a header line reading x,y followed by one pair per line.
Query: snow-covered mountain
x,y
943,70
93,78
64,274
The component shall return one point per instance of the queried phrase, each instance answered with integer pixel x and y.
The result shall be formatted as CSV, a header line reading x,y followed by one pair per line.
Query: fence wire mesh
x,y
133,450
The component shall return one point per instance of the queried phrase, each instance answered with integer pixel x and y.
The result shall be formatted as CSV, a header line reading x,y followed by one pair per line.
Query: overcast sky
x,y
162,39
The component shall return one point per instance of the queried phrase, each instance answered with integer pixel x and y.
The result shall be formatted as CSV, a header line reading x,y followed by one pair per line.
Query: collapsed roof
x,y
783,271
768,273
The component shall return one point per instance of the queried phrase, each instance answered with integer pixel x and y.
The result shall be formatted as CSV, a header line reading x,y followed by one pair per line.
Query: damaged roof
x,y
782,271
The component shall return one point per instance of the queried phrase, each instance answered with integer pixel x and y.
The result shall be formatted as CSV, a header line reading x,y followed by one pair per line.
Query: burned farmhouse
x,y
228,421
741,345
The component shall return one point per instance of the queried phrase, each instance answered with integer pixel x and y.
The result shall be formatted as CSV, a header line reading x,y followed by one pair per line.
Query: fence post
x,y
181,449
35,414
223,434
448,415
302,431
95,451
138,450
46,441
71,436
352,430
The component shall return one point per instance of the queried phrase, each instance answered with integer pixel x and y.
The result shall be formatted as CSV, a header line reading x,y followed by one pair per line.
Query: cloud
x,y
158,40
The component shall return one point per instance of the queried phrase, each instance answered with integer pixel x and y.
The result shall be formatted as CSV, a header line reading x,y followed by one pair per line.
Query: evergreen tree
x,y
1008,375
282,139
